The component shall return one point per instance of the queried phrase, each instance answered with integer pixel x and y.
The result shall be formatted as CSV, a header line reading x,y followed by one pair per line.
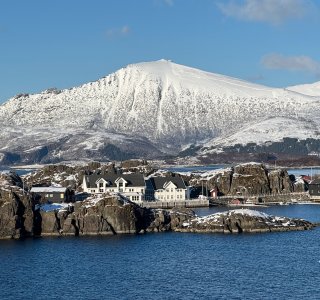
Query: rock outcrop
x,y
104,216
166,220
16,216
243,220
96,216
280,182
250,179
21,216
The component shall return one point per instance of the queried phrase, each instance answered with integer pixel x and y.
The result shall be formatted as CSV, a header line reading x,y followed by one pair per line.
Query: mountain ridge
x,y
160,106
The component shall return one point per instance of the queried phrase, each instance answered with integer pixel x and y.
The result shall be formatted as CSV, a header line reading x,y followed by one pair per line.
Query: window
x,y
142,191
171,196
101,190
61,196
100,184
51,195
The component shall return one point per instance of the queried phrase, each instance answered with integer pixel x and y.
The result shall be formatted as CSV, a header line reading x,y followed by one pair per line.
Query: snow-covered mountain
x,y
150,109
312,89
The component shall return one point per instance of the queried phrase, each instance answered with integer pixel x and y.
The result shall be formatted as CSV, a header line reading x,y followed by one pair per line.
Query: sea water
x,y
284,265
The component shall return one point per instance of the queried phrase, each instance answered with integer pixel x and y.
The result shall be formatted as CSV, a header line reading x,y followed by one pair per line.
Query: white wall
x,y
171,193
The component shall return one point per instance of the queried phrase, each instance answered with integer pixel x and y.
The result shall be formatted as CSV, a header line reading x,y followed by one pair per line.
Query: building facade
x,y
53,194
132,186
169,188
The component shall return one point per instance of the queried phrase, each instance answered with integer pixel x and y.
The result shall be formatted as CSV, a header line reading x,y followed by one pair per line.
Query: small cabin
x,y
52,194
314,190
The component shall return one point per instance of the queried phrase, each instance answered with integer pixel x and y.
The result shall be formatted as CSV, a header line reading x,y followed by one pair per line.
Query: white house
x,y
169,189
131,186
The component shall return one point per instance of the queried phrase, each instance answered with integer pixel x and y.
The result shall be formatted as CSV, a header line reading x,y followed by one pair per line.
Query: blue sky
x,y
65,43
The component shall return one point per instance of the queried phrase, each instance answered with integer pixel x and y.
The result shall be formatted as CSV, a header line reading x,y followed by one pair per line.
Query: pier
x,y
179,203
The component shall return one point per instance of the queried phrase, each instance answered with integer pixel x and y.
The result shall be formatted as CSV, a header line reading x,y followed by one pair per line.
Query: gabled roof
x,y
131,179
159,183
167,183
120,179
48,189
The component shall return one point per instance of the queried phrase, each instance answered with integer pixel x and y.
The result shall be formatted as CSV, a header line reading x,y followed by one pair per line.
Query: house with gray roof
x,y
169,188
131,186
52,194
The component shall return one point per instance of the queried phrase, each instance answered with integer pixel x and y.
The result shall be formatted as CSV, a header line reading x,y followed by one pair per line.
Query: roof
x,y
131,179
159,182
48,189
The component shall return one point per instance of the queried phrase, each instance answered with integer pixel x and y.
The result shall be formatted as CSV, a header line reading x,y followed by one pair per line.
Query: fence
x,y
171,204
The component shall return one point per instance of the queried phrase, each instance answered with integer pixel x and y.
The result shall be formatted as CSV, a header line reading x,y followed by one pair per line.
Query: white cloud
x,y
269,11
114,32
291,63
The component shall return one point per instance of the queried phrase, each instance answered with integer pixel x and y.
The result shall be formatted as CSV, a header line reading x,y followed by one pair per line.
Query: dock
x,y
193,203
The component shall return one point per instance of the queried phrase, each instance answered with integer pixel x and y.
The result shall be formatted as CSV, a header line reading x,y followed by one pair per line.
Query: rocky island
x,y
21,216
243,220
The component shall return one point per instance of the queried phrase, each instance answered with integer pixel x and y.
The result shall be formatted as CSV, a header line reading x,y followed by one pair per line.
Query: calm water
x,y
167,265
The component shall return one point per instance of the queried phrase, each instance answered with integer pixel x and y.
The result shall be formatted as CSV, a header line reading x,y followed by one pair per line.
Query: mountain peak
x,y
144,109
171,73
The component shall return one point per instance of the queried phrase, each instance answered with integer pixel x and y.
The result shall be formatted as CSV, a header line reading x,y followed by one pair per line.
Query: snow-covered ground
x,y
267,131
312,89
215,219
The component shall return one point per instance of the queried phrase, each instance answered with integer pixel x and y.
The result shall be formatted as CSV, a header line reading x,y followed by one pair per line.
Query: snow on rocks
x,y
243,220
92,201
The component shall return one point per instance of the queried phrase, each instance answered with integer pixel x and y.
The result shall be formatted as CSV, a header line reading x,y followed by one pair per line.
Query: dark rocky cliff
x,y
16,215
243,220
251,179
22,216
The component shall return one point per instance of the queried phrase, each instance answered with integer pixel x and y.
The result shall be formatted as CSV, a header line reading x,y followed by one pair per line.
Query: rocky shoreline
x,y
111,216
244,220
21,216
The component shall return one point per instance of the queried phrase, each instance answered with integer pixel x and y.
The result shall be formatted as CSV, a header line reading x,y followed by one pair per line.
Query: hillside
x,y
312,89
149,110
